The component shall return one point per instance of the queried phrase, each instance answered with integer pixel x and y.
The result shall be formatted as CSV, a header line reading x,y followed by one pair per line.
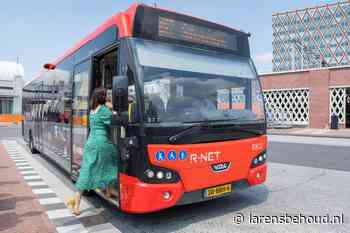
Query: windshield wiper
x,y
187,131
205,124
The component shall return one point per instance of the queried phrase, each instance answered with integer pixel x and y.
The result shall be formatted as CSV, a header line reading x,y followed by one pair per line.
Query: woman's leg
x,y
70,202
73,203
76,209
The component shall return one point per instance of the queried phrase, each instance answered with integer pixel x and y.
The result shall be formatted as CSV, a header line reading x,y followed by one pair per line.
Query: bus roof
x,y
125,22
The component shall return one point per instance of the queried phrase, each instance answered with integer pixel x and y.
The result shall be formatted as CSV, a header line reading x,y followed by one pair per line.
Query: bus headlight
x,y
258,160
265,155
149,173
160,175
168,175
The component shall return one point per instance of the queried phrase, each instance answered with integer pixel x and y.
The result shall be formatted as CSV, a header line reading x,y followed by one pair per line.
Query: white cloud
x,y
263,62
263,58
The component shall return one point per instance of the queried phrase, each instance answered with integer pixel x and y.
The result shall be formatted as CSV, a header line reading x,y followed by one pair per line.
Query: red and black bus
x,y
189,118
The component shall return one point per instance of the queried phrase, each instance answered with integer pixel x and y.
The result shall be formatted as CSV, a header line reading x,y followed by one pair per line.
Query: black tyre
x,y
31,145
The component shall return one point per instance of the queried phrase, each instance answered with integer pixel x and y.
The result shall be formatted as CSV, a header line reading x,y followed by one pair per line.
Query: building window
x,y
6,105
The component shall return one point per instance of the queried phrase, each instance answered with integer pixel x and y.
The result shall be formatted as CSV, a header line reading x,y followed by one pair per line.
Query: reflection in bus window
x,y
201,86
80,102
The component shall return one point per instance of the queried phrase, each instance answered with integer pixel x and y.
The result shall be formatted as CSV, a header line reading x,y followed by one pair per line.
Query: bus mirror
x,y
120,94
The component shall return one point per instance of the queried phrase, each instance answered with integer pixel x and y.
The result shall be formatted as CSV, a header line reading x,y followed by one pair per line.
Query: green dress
x,y
100,165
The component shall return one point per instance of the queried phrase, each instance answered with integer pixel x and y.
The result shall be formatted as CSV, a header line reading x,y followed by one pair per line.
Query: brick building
x,y
308,97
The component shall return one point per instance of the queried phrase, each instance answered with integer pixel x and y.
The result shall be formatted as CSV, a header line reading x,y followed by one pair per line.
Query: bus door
x,y
80,108
104,70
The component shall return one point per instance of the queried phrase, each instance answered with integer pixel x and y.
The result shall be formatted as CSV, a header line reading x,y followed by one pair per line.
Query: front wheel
x,y
31,146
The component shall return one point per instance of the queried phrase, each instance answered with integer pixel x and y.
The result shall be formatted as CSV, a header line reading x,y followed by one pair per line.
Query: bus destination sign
x,y
179,30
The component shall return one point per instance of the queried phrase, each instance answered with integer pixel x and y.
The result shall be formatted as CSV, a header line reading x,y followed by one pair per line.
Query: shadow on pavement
x,y
179,217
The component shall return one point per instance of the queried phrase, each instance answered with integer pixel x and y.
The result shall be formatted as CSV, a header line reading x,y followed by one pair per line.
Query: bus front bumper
x,y
139,197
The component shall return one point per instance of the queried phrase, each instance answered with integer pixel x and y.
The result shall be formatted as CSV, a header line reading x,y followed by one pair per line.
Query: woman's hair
x,y
98,97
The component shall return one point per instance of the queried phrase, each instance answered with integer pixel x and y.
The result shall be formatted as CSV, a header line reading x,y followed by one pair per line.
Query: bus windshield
x,y
186,85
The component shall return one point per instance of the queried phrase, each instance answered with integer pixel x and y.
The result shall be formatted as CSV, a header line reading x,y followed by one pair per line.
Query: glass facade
x,y
311,37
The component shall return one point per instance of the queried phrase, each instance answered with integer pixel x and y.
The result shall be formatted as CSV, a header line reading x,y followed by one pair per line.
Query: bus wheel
x,y
31,146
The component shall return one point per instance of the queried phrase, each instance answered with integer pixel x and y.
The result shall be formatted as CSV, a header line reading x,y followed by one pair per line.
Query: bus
x,y
188,111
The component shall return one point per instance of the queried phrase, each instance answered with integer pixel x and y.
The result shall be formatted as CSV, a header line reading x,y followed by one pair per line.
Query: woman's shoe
x,y
70,203
98,190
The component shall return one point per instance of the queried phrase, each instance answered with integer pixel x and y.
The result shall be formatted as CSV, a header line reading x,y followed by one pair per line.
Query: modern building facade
x,y
312,37
11,84
308,97
310,83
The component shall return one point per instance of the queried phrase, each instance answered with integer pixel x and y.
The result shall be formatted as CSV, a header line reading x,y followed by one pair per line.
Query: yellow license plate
x,y
218,190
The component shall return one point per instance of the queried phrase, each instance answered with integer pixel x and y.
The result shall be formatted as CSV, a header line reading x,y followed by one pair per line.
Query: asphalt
x,y
319,156
307,176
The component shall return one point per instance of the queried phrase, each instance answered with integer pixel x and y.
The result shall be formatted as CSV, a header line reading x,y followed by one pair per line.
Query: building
x,y
310,82
308,97
11,84
311,37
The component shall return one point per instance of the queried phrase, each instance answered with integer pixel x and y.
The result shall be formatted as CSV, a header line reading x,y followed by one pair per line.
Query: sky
x,y
39,31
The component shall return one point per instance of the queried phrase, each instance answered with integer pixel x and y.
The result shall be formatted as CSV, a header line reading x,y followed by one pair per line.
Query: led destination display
x,y
180,30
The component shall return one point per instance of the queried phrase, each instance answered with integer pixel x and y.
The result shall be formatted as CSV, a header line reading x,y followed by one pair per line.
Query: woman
x,y
99,166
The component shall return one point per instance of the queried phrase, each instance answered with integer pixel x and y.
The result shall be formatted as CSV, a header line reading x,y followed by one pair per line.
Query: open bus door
x,y
104,70
88,75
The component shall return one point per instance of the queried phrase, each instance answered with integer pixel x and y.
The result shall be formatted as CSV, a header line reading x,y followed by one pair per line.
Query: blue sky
x,y
39,31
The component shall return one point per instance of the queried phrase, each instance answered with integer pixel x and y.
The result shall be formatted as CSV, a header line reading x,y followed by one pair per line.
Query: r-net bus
x,y
189,118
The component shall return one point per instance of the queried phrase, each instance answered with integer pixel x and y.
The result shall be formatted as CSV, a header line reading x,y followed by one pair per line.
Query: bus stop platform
x,y
310,132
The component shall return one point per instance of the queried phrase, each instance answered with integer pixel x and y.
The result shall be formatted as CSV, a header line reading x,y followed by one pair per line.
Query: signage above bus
x,y
156,24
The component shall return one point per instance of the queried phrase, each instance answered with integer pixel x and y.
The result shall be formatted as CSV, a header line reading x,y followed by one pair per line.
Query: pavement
x,y
308,179
311,132
8,124
20,211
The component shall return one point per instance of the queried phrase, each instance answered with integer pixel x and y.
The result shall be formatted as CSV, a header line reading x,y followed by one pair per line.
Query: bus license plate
x,y
218,190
